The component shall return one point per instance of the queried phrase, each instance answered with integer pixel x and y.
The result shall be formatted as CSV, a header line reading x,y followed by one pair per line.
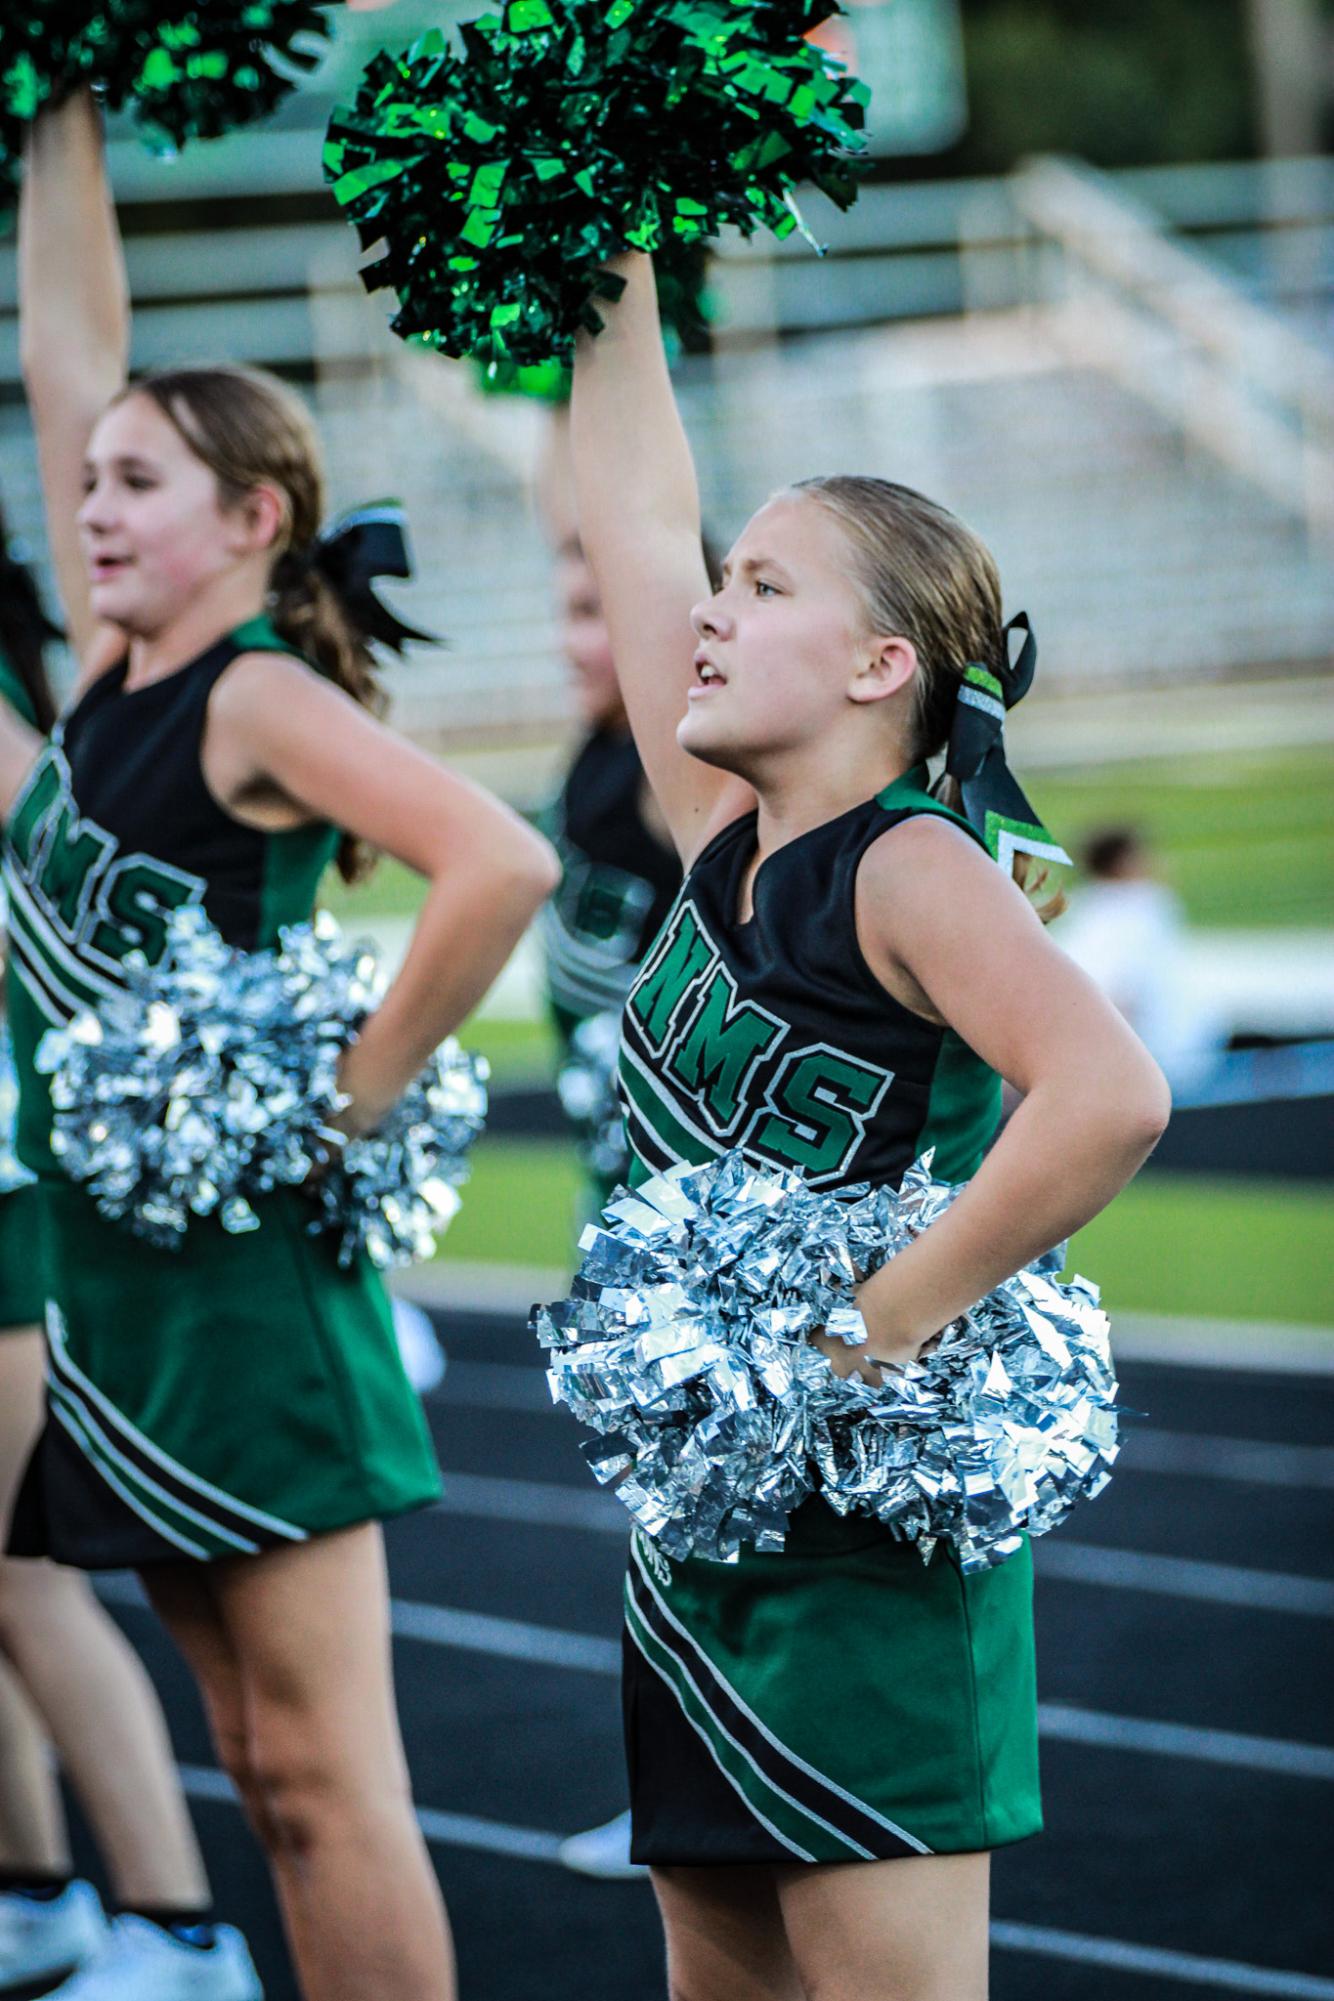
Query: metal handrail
x,y
1175,328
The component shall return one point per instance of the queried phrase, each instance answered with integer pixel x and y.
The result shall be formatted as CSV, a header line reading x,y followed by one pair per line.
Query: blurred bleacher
x,y
1120,380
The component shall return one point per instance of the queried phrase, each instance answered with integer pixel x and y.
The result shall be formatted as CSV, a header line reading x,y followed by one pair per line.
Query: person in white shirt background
x,y
1126,928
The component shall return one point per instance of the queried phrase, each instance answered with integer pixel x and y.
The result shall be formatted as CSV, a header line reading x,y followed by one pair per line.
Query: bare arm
x,y
74,333
19,745
933,906
487,870
638,508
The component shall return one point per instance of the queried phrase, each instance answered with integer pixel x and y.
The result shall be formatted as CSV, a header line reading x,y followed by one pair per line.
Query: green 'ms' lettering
x,y
43,791
138,900
718,1049
73,852
820,1106
681,958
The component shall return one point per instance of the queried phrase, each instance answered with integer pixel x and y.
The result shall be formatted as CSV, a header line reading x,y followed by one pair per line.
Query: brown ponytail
x,y
250,430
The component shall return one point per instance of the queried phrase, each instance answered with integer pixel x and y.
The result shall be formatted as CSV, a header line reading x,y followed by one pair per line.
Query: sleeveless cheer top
x,y
616,887
775,1036
114,829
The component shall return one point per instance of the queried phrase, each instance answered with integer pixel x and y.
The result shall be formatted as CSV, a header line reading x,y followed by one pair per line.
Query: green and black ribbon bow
x,y
992,799
351,552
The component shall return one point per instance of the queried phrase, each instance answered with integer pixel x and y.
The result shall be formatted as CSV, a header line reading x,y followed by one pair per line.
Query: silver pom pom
x,y
685,1344
213,1079
586,1082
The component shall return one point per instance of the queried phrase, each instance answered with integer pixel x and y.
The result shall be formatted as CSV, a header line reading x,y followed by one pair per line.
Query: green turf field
x,y
1245,840
1208,1247
1169,1244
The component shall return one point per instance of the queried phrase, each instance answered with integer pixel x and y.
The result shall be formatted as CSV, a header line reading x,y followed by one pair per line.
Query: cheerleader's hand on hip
x,y
891,1338
371,1085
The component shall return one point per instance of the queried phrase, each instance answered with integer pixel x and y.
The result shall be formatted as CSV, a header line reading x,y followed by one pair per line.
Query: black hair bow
x,y
993,801
351,552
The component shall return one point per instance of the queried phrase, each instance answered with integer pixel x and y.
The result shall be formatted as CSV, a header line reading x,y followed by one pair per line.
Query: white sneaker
x,y
141,1962
419,1345
603,1851
44,1938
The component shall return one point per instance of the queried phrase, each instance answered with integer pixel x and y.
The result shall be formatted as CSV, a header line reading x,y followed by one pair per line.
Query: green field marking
x,y
1208,1246
1246,839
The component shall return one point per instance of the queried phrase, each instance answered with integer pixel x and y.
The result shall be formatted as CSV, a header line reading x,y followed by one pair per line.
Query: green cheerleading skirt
x,y
838,1702
22,1291
239,1394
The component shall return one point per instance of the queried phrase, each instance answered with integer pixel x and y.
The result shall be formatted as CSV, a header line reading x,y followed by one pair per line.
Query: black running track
x,y
1184,1626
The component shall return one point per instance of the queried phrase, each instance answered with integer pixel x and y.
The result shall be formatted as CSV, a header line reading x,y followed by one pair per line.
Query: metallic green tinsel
x,y
501,179
687,315
185,69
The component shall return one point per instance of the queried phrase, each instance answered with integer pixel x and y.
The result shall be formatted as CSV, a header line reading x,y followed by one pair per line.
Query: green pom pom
x,y
194,69
37,47
541,382
186,69
687,314
503,178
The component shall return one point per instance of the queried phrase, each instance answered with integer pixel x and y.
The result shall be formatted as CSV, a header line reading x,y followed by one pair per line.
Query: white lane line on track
x,y
588,1653
547,1504
1183,1577
1068,1724
447,1830
1250,1460
533,1844
1232,1976
535,1503
510,1639
450,1626
512,1386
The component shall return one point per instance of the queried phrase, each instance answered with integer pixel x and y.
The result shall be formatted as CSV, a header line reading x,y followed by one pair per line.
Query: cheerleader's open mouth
x,y
707,677
102,567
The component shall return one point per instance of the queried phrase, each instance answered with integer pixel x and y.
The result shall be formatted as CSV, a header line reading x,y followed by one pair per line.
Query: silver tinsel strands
x,y
586,1082
685,1346
213,1079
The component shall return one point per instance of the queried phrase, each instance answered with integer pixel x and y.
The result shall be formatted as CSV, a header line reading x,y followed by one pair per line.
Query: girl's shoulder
x,y
930,854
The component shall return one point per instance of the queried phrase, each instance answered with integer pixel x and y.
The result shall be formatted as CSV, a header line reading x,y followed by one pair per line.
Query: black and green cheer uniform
x,y
840,1701
22,1295
243,1392
617,884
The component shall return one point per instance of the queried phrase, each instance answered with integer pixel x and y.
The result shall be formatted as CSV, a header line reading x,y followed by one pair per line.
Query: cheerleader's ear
x,y
886,668
263,514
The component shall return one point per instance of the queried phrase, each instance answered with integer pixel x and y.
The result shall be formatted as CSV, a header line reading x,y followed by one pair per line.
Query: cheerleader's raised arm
x,y
74,335
639,520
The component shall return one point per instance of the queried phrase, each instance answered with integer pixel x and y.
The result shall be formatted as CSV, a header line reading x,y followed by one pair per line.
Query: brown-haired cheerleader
x,y
70,1681
232,1420
824,1745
